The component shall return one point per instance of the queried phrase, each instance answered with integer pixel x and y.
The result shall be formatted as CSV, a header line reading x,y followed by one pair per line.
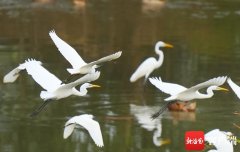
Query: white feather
x,y
78,65
69,127
42,76
89,124
212,82
234,86
144,69
219,140
67,51
150,64
169,88
181,93
14,74
53,86
102,60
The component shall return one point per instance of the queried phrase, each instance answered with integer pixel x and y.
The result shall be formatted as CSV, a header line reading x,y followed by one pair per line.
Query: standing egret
x,y
79,66
54,87
150,64
87,122
220,139
181,93
234,86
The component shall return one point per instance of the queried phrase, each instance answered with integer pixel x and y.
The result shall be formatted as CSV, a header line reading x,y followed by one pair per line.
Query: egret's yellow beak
x,y
95,86
223,89
165,141
168,45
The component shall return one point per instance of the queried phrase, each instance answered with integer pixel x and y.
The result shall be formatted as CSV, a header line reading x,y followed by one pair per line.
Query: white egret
x,y
79,66
54,87
234,86
87,122
220,139
150,64
181,93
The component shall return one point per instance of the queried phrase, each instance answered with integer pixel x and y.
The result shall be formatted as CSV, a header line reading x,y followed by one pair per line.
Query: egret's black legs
x,y
145,81
162,109
40,108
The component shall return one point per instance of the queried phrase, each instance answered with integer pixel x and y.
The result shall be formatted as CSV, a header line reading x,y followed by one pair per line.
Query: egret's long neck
x,y
161,57
82,92
208,95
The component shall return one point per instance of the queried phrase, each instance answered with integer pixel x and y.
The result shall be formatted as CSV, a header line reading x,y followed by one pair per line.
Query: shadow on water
x,y
205,35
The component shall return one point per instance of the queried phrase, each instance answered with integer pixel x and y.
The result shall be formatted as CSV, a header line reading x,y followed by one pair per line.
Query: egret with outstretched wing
x,y
87,122
220,139
54,87
79,66
150,64
181,93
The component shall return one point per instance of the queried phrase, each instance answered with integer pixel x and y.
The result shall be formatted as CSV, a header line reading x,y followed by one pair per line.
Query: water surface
x,y
206,39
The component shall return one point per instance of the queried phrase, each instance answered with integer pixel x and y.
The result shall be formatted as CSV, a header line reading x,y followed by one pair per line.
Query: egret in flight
x,y
234,86
181,93
79,66
87,122
150,64
54,87
219,139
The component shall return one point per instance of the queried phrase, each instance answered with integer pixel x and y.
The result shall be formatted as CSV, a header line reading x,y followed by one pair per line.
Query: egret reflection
x,y
142,115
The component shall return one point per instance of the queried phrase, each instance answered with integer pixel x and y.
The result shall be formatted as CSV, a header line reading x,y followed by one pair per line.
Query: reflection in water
x,y
143,116
150,6
79,4
43,1
182,116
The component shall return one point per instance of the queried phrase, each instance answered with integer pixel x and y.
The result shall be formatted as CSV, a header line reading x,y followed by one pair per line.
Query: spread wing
x,y
212,82
43,77
234,86
102,60
13,75
69,127
169,88
67,51
91,126
86,78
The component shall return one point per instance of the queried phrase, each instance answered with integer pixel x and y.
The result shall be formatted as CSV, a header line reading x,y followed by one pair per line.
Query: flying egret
x,y
220,139
181,93
87,122
234,86
79,66
54,87
150,64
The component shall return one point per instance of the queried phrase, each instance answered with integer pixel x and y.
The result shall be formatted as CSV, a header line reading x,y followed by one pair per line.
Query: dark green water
x,y
206,39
